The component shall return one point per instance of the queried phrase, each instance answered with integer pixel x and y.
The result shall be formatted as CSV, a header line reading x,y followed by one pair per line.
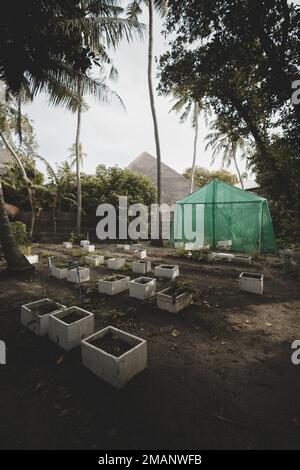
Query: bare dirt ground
x,y
224,380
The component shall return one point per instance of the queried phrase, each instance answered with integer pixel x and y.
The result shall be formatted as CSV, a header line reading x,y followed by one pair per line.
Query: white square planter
x,y
225,244
141,254
224,256
196,246
123,247
141,267
35,316
167,270
142,288
115,359
243,259
136,246
95,260
67,245
84,242
173,303
33,259
84,275
116,263
113,285
251,282
88,248
59,273
68,327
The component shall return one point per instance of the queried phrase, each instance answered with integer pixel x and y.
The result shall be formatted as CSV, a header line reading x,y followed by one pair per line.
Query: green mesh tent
x,y
218,212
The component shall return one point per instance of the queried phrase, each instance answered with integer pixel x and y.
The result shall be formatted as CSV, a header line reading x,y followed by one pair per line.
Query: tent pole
x,y
260,228
213,205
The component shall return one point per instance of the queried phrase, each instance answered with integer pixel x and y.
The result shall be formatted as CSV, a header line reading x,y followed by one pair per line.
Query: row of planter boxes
x,y
112,354
171,299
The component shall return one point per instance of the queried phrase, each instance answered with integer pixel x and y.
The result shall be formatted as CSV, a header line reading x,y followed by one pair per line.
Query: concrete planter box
x,y
141,267
84,275
35,316
251,282
94,260
224,256
88,248
167,270
114,367
67,245
33,259
136,246
115,286
141,254
59,273
142,288
243,259
173,303
123,247
195,247
116,263
225,244
84,242
68,327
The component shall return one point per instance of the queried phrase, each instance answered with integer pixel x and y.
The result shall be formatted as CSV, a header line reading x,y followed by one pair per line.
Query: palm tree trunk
x,y
78,175
195,147
27,181
14,258
153,110
238,170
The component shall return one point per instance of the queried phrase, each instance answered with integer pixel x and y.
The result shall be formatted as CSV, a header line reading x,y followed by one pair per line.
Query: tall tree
x,y
72,155
60,188
227,143
45,51
187,105
78,162
133,10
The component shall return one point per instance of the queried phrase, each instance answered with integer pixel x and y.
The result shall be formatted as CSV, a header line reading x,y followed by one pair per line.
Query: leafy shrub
x,y
21,237
197,255
20,234
76,237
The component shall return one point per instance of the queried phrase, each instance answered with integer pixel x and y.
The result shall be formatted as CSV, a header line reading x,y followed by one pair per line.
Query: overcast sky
x,y
114,137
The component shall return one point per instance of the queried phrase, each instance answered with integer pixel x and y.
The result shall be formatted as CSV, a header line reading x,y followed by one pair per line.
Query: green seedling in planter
x,y
114,277
46,254
75,252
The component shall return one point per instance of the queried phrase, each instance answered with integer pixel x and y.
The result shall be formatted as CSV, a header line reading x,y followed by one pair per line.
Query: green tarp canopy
x,y
218,212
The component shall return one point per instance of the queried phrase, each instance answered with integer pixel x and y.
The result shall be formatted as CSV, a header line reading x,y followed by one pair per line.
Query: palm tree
x,y
107,32
227,142
57,73
72,155
61,183
133,10
193,107
12,118
77,156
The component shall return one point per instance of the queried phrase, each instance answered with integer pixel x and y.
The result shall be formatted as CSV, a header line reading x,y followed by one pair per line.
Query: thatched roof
x,y
174,185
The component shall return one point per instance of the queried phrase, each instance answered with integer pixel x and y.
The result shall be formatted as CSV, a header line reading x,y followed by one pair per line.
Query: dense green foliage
x,y
60,189
204,176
